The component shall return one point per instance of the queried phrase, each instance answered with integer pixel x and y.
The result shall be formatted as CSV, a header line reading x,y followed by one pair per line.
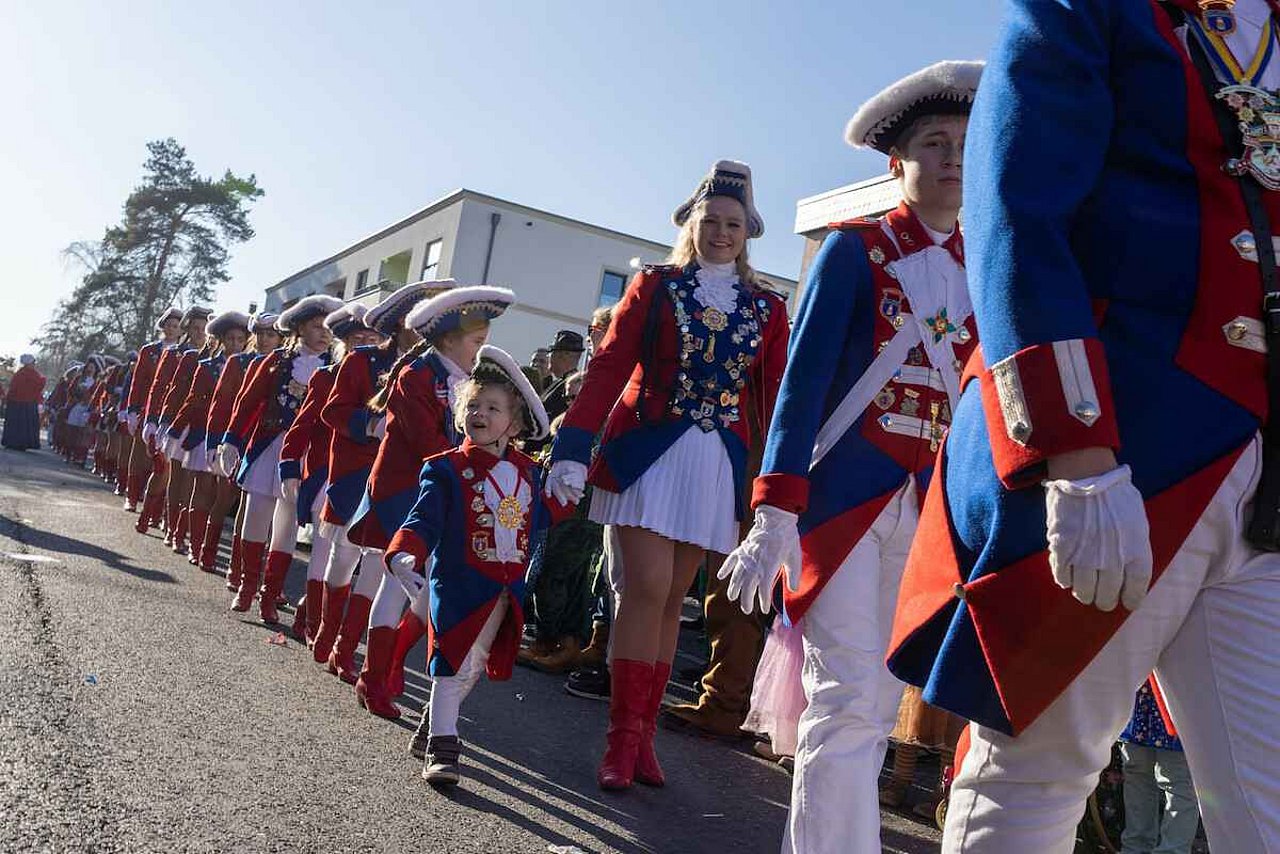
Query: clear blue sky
x,y
352,118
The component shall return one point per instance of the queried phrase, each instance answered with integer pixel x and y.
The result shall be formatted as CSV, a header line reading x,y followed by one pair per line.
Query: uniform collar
x,y
912,236
481,460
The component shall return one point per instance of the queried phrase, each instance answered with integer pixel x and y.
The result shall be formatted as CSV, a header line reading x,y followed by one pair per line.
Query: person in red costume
x,y
694,348
141,456
22,407
178,492
264,410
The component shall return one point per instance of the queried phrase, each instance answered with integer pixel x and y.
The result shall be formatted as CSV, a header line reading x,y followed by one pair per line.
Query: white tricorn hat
x,y
316,305
27,359
943,89
196,311
225,322
730,178
462,307
170,313
263,320
491,361
388,316
347,319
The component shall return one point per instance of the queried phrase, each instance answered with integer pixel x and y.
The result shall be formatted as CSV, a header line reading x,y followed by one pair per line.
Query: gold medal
x,y
714,319
510,513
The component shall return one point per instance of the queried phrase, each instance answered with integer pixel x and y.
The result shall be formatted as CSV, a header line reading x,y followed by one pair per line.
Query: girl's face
x,y
266,340
314,335
930,164
491,417
462,348
722,230
195,331
171,329
406,338
362,338
233,341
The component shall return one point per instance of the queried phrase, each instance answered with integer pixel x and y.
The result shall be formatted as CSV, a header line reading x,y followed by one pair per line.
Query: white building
x,y
561,269
871,198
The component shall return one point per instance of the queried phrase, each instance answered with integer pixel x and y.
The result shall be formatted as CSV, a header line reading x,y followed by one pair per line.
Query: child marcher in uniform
x,y
479,507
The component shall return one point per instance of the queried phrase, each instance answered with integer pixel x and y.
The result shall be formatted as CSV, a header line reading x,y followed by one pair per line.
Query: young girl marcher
x,y
478,509
693,347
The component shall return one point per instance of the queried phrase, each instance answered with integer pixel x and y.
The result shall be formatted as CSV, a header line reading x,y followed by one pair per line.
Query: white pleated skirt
x,y
172,446
263,476
687,495
197,458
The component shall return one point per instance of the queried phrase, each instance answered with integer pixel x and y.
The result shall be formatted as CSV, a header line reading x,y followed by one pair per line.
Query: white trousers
x,y
389,603
448,692
258,511
852,697
1209,630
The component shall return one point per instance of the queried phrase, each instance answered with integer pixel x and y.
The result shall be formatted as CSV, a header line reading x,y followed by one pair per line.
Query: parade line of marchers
x,y
1028,472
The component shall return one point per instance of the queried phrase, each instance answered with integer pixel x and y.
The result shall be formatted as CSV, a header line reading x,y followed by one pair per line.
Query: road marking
x,y
23,558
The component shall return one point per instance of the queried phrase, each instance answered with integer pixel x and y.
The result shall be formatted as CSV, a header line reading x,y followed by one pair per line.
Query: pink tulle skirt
x,y
777,696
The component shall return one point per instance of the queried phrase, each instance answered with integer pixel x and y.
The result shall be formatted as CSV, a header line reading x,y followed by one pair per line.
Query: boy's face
x,y
930,163
491,416
362,338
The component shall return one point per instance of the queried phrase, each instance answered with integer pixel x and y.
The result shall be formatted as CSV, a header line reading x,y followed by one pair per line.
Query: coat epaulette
x,y
855,223
664,271
764,286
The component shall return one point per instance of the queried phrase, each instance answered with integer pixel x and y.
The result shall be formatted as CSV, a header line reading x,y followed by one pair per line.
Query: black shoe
x,y
441,765
418,747
590,683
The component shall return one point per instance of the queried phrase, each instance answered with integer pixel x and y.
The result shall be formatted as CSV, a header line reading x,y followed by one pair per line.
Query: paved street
x,y
137,714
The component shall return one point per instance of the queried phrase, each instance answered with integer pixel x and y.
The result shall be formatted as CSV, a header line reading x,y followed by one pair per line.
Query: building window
x,y
362,281
611,287
431,260
394,271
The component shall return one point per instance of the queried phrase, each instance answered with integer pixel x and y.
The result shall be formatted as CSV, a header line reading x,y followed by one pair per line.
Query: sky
x,y
354,115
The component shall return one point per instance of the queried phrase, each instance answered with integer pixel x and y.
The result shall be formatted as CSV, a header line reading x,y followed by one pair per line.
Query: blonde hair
x,y
686,248
467,390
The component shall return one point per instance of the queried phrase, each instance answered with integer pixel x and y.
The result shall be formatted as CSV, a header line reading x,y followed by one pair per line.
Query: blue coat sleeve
x,y
425,525
838,286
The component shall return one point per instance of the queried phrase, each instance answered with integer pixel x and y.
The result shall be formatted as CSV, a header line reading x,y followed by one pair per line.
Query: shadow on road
x,y
48,541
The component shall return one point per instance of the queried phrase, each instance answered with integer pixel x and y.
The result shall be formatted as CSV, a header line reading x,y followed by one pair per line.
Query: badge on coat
x,y
890,304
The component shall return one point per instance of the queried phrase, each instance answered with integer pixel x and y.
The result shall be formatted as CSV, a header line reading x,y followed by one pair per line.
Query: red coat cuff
x,y
788,492
1044,401
406,540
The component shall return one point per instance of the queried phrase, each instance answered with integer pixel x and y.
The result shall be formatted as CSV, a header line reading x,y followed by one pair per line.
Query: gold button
x,y
1236,331
958,589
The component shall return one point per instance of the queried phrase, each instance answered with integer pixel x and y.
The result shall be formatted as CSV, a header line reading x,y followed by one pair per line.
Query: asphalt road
x,y
137,714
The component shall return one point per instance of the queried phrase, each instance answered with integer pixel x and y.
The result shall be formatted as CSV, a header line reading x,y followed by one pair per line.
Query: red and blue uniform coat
x,y
265,407
226,392
852,308
144,371
179,387
451,522
700,378
419,425
166,370
193,414
304,452
352,450
1115,311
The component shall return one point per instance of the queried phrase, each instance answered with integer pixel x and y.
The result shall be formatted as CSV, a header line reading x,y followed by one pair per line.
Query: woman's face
x,y
462,349
233,341
721,231
195,331
315,336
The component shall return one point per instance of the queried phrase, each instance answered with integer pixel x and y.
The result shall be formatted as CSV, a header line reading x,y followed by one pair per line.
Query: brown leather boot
x,y
562,660
597,648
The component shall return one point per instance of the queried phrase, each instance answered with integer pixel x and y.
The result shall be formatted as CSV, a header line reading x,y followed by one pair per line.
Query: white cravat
x,y
453,376
508,482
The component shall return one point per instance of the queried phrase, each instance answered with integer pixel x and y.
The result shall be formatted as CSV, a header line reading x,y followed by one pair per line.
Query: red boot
x,y
333,604
250,574
299,627
278,564
408,633
198,520
648,771
208,559
632,685
314,600
136,484
342,661
371,687
152,506
183,517
236,568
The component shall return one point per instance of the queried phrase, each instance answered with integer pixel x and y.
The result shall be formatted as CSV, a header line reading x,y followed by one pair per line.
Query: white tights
x,y
321,543
448,692
258,510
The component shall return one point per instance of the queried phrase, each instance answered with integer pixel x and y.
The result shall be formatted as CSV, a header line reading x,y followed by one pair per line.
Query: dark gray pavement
x,y
137,714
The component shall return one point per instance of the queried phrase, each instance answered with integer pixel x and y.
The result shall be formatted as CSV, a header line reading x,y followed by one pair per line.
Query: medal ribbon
x,y
1224,61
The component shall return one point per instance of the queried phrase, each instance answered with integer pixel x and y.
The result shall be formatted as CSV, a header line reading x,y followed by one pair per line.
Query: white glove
x,y
771,547
566,481
1099,541
123,418
377,428
404,569
131,421
228,459
148,431
289,488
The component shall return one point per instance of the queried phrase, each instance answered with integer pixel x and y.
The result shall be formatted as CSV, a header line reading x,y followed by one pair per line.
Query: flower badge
x,y
940,325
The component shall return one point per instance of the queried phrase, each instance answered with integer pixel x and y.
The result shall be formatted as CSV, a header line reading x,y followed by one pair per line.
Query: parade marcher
x,y
22,407
79,392
123,440
1124,283
692,347
304,460
55,406
264,410
453,325
197,346
188,428
141,456
108,424
872,378
356,430
466,542
264,338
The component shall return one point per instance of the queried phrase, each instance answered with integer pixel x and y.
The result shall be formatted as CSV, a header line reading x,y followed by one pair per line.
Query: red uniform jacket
x,y
166,369
27,385
225,394
346,412
144,371
304,451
